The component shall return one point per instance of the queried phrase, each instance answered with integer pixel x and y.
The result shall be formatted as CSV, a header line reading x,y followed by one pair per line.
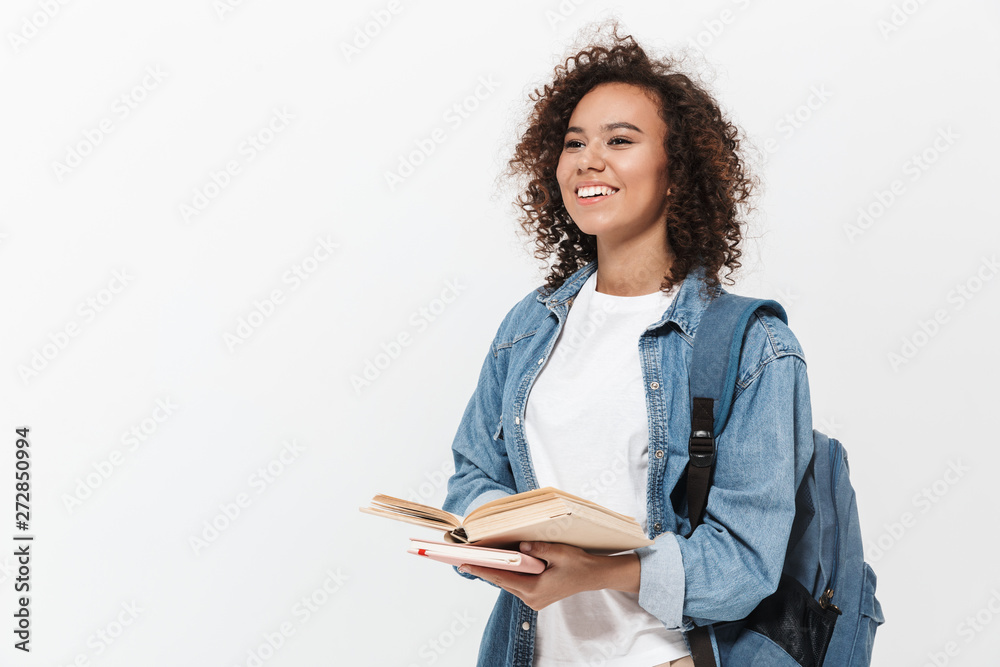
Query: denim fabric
x,y
734,559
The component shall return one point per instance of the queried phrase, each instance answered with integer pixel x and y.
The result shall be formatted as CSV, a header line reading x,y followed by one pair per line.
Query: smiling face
x,y
613,168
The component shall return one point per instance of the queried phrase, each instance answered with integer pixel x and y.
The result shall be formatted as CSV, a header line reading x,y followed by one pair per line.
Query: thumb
x,y
533,548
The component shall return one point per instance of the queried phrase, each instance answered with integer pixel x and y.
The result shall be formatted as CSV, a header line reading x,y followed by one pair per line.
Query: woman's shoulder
x,y
770,350
523,318
772,336
768,339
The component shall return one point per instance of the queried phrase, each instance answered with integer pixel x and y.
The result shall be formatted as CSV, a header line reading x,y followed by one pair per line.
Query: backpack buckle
x,y
701,449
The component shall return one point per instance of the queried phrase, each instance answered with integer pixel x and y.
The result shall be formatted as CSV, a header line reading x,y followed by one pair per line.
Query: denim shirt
x,y
734,559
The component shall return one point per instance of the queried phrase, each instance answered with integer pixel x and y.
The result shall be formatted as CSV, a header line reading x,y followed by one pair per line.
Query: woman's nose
x,y
590,158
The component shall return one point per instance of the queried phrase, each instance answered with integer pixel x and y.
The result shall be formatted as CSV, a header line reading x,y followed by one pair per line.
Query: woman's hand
x,y
570,570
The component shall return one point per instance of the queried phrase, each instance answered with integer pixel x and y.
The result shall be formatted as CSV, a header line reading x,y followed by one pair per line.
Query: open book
x,y
542,515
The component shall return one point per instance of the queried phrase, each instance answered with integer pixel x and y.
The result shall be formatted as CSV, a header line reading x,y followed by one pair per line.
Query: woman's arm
x,y
734,559
482,471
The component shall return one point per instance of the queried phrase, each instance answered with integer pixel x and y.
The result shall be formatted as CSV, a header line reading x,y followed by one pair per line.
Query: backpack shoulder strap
x,y
717,344
714,364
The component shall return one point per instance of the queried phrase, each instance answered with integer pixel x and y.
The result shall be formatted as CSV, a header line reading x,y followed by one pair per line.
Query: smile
x,y
593,194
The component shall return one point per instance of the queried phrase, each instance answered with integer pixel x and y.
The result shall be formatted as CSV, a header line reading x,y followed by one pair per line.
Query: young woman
x,y
633,181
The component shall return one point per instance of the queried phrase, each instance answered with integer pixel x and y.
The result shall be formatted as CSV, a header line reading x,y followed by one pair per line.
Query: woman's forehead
x,y
608,105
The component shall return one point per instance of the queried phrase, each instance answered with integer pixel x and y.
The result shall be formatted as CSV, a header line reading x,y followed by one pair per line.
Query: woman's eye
x,y
576,143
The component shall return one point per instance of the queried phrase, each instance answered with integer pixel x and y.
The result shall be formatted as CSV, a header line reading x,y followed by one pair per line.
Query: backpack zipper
x,y
826,599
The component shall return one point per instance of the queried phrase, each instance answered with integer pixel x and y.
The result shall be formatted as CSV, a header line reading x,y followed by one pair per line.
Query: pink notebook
x,y
458,554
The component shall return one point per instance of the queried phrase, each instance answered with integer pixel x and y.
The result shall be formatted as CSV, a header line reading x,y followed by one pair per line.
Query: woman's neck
x,y
634,273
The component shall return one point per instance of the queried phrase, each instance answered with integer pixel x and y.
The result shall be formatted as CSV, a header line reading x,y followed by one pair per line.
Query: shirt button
x,y
541,360
526,626
654,385
657,527
659,453
517,420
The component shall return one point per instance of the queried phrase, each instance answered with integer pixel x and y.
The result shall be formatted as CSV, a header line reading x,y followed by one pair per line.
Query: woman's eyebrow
x,y
607,128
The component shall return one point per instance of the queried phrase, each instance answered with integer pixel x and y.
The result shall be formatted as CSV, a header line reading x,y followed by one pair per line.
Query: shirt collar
x,y
685,309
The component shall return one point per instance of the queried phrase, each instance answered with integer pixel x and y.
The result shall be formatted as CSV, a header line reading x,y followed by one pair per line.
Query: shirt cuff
x,y
661,581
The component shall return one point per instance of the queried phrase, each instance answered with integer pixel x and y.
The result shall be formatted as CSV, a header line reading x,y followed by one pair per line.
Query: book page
x,y
538,495
406,518
416,510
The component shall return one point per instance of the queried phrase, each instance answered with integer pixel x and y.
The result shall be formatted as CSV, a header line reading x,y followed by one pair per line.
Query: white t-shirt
x,y
587,429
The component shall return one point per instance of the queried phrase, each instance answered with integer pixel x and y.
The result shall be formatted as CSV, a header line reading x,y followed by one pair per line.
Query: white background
x,y
125,537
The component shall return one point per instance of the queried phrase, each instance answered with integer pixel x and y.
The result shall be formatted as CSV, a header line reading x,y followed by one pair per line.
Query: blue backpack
x,y
825,611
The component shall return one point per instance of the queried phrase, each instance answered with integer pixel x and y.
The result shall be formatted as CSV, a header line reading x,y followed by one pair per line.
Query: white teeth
x,y
594,190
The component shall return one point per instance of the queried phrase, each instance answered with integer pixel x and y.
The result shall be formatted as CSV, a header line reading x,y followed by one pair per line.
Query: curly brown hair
x,y
710,183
